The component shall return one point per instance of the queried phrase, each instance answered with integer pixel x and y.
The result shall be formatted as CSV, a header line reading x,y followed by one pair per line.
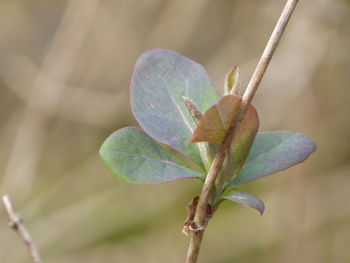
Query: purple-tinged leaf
x,y
161,78
245,198
135,157
272,152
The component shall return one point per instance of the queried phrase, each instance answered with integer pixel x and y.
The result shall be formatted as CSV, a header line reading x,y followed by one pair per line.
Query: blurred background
x,y
65,69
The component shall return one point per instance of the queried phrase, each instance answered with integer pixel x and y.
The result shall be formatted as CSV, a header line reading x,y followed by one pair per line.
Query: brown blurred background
x,y
65,68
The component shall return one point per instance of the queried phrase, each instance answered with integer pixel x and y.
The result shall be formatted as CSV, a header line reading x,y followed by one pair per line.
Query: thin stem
x,y
268,53
194,247
200,219
16,224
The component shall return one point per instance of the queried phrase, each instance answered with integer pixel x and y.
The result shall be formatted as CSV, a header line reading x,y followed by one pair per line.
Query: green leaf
x,y
245,198
161,78
272,152
135,157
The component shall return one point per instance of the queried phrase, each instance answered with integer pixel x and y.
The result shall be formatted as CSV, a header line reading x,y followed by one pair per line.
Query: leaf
x,y
272,152
243,140
160,80
216,120
135,157
214,126
245,198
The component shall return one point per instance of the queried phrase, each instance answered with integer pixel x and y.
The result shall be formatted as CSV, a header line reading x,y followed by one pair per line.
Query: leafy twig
x,y
200,219
16,224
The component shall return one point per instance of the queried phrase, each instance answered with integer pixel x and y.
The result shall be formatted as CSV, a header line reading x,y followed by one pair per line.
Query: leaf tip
x,y
261,210
246,199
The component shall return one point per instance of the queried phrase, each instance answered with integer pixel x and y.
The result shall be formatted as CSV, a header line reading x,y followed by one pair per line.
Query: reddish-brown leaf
x,y
214,124
243,140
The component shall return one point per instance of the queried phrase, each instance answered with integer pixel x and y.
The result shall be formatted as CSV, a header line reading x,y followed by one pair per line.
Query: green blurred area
x,y
65,69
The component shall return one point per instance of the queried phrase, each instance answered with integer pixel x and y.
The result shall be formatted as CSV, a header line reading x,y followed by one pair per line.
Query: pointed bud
x,y
232,81
193,110
191,211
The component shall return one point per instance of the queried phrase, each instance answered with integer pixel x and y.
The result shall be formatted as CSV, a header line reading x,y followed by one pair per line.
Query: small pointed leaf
x,y
272,152
245,198
135,157
193,110
232,81
161,78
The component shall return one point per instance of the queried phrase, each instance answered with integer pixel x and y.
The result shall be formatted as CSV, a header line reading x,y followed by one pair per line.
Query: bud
x,y
232,81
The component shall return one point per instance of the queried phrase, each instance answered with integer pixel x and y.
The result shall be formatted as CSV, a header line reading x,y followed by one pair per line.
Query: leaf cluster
x,y
175,103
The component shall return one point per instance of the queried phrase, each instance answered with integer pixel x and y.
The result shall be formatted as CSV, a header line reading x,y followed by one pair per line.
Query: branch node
x,y
196,228
16,223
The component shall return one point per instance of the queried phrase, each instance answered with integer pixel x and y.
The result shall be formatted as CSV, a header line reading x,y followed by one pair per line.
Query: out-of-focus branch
x,y
16,224
31,135
86,113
